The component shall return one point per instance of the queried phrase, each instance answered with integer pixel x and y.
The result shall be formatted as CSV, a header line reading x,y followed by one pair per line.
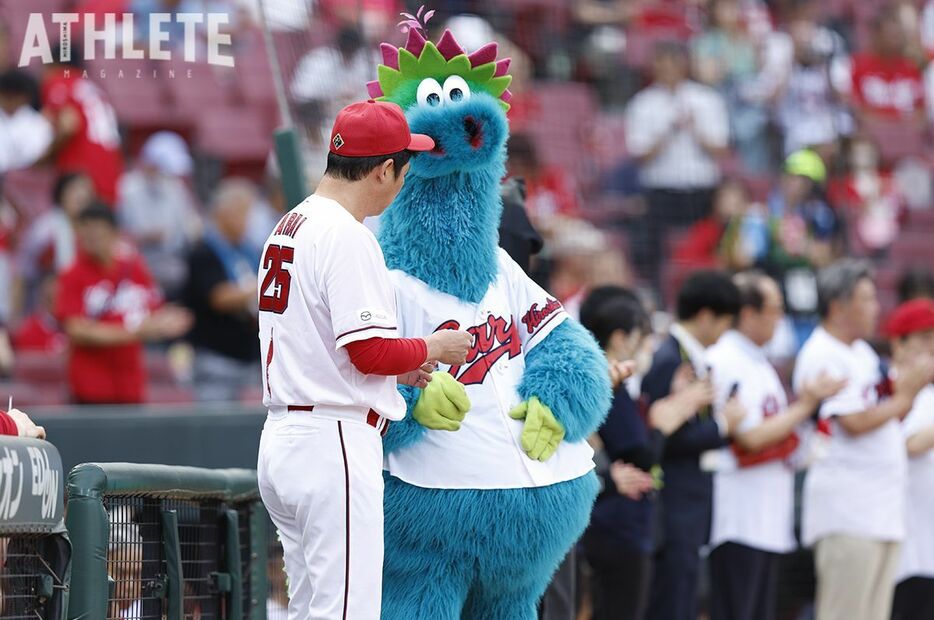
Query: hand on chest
x,y
496,338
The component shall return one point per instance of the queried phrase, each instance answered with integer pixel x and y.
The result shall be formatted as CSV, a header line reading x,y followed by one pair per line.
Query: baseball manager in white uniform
x,y
331,361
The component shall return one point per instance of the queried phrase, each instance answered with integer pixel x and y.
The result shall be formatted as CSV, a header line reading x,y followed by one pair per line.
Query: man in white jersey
x,y
910,330
853,502
331,361
753,488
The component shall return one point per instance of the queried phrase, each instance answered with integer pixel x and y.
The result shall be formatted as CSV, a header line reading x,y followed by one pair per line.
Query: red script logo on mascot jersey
x,y
534,318
492,339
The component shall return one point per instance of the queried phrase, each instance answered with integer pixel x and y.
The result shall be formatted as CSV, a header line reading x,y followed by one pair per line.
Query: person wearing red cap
x,y
331,360
910,330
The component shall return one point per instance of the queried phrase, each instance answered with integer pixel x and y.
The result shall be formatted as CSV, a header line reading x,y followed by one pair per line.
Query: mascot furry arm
x,y
567,371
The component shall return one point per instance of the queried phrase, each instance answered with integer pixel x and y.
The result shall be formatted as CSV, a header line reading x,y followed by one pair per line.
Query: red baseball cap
x,y
912,316
372,128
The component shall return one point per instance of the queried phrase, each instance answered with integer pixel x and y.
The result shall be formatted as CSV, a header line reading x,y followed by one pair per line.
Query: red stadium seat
x,y
29,190
40,368
140,102
896,139
912,248
168,394
561,123
254,80
922,220
197,88
27,395
608,141
233,134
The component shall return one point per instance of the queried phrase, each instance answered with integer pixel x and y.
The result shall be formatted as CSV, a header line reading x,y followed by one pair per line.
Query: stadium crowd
x,y
662,144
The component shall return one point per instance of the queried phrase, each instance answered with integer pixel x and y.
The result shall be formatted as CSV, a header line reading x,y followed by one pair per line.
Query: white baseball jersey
x,y
753,506
323,284
514,316
858,488
918,549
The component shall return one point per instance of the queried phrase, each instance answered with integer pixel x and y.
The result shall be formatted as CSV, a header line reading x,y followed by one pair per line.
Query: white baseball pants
x,y
320,477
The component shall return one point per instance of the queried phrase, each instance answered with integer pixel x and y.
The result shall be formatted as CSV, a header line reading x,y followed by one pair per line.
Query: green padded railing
x,y
160,541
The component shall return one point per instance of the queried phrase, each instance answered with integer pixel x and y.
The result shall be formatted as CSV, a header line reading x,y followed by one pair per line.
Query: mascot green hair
x,y
490,479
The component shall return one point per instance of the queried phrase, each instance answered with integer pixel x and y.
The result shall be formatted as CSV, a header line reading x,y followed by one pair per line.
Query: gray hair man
x,y
854,493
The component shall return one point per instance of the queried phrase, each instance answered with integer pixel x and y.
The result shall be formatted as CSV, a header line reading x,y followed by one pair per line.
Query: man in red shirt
x,y
107,303
85,125
886,82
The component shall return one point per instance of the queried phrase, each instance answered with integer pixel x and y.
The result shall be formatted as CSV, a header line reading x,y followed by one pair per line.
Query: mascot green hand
x,y
542,432
442,404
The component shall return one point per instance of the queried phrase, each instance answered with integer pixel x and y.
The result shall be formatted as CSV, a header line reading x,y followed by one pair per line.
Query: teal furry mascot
x,y
490,479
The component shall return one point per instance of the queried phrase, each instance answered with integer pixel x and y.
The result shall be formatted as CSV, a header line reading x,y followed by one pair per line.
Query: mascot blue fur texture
x,y
474,554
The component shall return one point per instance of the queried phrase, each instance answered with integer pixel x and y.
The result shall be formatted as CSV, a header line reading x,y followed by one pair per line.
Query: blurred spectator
x,y
221,291
798,237
916,283
872,195
725,58
40,331
853,501
376,17
86,137
798,204
157,209
263,217
48,245
753,501
107,304
601,30
549,189
25,135
675,128
334,77
581,258
516,234
910,330
912,177
708,303
716,239
886,82
808,107
621,537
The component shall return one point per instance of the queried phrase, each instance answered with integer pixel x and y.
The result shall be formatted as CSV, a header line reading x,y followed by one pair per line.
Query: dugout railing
x,y
34,548
153,542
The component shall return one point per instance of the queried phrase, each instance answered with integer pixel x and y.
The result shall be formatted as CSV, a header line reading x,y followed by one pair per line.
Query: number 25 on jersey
x,y
274,293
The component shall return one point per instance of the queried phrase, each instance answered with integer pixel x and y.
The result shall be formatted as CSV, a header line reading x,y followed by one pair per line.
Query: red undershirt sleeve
x,y
7,425
387,356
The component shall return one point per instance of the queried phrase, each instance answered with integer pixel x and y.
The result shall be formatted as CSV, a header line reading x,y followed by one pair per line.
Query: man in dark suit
x,y
708,302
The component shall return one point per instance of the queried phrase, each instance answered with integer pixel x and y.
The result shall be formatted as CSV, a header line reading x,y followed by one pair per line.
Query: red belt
x,y
372,418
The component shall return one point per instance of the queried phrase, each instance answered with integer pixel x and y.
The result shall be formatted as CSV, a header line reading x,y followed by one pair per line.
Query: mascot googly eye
x,y
430,93
456,89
